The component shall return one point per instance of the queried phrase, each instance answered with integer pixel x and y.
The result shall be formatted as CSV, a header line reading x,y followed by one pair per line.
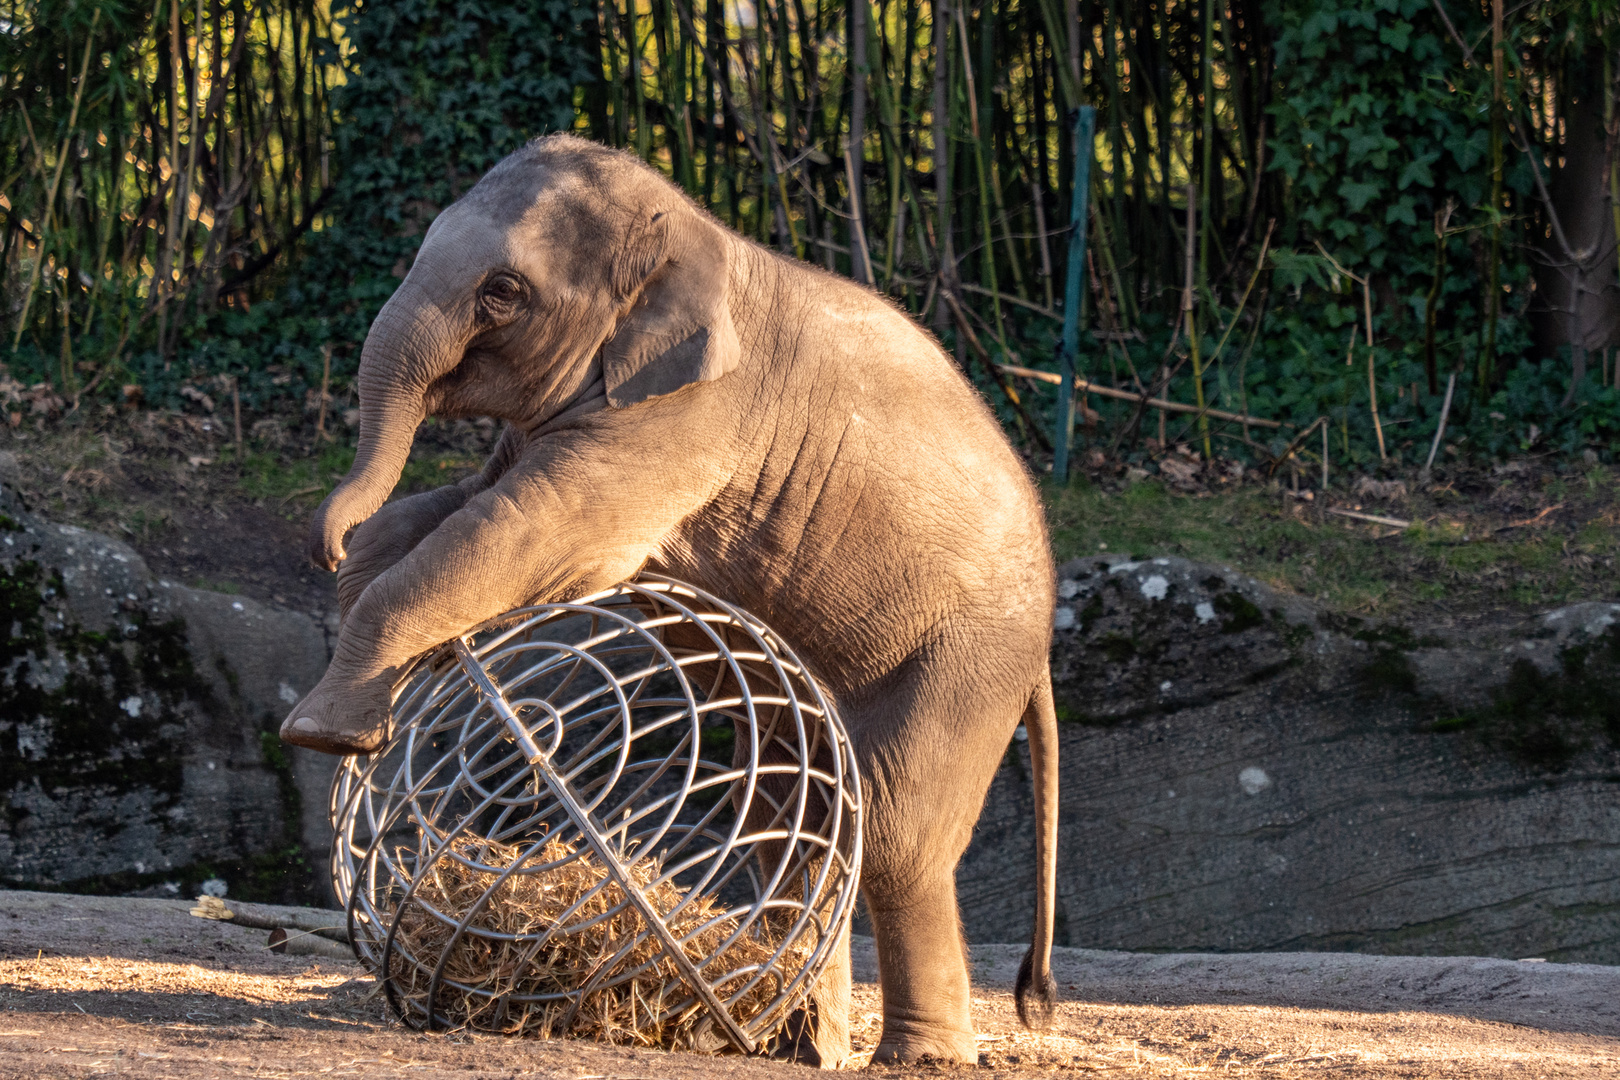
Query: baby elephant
x,y
679,399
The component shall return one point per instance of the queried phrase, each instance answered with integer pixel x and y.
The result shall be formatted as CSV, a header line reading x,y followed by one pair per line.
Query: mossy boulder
x,y
132,720
1137,637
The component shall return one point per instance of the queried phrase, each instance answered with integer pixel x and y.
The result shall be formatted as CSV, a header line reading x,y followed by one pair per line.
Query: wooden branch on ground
x,y
1299,440
1528,521
1085,386
1395,523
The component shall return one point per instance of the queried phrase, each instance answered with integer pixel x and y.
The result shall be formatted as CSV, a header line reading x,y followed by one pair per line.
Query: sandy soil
x,y
101,986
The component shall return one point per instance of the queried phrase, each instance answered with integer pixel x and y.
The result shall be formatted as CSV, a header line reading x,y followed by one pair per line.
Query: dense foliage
x,y
315,145
434,94
248,183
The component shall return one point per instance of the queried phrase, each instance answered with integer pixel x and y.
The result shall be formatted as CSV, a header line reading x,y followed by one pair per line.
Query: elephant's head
x,y
570,272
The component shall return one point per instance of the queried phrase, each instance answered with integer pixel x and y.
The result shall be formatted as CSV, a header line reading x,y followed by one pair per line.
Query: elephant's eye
x,y
503,289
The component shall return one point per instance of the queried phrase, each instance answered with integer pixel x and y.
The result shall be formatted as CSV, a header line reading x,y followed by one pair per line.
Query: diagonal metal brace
x,y
541,763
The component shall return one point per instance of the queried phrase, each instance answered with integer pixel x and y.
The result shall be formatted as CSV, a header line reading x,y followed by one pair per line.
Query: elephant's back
x,y
932,445
883,508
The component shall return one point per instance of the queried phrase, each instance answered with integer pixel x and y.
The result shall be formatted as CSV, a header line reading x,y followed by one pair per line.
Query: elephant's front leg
x,y
527,539
389,534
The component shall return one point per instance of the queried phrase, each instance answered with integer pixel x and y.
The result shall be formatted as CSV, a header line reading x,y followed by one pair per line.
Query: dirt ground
x,y
108,986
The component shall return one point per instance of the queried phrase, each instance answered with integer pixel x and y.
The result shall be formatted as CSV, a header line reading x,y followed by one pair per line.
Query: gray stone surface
x,y
1560,997
133,716
1281,779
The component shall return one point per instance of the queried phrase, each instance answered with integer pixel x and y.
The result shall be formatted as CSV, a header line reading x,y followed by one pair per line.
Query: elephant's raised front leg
x,y
543,532
389,535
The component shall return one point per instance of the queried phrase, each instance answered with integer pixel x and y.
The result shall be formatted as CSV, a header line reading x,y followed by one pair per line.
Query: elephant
x,y
681,400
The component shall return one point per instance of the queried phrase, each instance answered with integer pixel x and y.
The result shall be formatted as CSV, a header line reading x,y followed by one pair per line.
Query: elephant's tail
x,y
1036,991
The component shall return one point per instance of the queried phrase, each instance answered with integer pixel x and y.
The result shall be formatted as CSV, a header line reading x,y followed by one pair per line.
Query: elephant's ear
x,y
677,331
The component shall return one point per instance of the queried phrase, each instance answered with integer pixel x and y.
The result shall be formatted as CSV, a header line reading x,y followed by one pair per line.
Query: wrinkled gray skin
x,y
680,399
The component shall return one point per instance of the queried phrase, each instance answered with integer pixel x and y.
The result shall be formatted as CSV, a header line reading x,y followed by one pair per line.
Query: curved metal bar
x,y
610,859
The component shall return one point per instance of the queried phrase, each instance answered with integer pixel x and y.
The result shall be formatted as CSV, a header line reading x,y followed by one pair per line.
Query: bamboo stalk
x,y
855,145
326,392
637,90
1190,314
1039,200
1431,302
1612,128
1440,429
56,180
987,255
193,138
939,35
1487,360
1207,180
860,258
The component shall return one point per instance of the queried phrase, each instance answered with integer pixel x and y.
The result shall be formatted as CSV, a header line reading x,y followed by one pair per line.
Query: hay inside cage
x,y
634,817
503,974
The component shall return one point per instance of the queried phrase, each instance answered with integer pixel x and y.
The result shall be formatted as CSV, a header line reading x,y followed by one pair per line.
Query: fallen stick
x,y
1085,386
1440,431
1374,518
1299,440
212,907
1528,521
306,943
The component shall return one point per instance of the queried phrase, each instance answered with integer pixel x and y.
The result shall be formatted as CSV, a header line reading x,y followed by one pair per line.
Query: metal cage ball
x,y
634,817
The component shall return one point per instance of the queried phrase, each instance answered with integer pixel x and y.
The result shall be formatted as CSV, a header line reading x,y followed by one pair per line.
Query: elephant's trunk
x,y
409,346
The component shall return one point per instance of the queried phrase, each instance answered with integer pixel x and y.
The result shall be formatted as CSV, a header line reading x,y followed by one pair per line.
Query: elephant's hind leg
x,y
928,760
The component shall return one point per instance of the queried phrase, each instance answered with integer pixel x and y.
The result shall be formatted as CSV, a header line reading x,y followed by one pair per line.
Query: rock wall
x,y
1243,772
137,720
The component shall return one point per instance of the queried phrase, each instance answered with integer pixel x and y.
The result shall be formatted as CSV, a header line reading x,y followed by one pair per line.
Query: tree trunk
x,y
1580,194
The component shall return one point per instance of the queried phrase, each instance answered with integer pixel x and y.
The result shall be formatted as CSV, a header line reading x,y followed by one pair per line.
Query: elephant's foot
x,y
807,1039
911,1047
345,718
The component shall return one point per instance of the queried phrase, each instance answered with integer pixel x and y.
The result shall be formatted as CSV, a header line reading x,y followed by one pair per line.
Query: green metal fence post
x,y
1085,119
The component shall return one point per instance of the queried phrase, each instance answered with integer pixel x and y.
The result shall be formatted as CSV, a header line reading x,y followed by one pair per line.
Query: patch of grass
x,y
305,480
281,478
431,469
1459,550
1249,529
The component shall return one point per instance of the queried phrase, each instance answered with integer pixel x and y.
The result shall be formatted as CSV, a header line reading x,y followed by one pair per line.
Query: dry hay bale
x,y
492,975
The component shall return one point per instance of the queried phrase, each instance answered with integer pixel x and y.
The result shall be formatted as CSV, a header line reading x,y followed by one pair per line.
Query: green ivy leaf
x,y
1417,172
1468,148
1357,194
1401,211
